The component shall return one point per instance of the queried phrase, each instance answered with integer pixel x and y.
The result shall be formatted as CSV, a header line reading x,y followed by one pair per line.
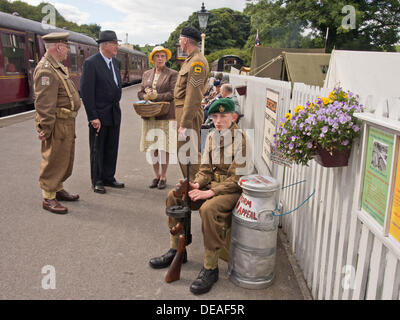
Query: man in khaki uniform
x,y
188,94
214,192
57,103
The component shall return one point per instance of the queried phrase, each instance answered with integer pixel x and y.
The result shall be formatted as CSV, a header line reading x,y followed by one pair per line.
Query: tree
x,y
35,13
376,22
226,28
275,27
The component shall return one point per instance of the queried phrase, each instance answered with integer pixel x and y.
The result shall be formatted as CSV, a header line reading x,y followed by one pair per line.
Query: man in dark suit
x,y
101,93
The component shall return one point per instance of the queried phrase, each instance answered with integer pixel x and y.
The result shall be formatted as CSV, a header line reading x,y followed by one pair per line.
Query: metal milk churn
x,y
254,233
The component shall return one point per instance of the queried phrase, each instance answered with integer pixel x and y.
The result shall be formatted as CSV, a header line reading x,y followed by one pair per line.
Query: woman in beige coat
x,y
158,85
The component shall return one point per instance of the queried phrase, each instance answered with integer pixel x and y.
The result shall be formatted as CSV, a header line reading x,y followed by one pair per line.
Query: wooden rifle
x,y
183,215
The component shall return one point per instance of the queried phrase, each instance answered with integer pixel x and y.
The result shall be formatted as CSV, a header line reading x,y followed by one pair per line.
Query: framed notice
x,y
377,173
394,228
269,125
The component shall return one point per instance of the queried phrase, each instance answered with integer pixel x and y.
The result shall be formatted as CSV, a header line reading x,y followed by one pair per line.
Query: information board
x,y
378,168
395,216
269,125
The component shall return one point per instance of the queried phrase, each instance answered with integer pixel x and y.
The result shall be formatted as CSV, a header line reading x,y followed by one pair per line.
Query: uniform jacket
x,y
165,88
51,94
190,87
100,94
222,157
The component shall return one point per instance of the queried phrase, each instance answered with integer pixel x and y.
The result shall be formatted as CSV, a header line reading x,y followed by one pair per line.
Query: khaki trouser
x,y
57,156
215,218
197,122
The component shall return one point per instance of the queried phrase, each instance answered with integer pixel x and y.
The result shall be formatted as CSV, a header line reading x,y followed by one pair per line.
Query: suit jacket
x,y
165,88
99,92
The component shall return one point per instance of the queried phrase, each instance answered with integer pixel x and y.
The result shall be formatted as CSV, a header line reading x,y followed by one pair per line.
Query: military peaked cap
x,y
191,32
56,37
222,105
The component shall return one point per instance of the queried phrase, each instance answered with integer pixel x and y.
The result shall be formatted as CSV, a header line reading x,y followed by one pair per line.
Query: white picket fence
x,y
341,256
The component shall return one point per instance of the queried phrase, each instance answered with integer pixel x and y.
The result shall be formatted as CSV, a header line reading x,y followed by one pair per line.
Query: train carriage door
x,y
32,59
14,83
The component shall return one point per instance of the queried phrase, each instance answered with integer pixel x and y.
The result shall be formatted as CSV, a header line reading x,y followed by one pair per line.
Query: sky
x,y
145,21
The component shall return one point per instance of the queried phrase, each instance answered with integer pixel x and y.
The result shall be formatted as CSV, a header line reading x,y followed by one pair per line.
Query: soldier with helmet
x,y
57,103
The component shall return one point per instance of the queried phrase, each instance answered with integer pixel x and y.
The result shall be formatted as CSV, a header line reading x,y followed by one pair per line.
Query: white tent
x,y
365,73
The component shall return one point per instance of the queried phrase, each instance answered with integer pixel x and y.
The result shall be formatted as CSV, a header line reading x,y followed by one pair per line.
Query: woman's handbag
x,y
152,109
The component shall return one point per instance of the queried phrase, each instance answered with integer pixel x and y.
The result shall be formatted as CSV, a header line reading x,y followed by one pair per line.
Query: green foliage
x,y
283,23
244,54
226,28
35,13
276,28
377,22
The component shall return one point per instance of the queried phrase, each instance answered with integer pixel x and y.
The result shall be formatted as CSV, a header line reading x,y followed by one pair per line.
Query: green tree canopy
x,y
284,23
226,28
35,13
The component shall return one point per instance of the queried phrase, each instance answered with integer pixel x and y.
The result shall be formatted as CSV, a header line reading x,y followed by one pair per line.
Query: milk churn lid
x,y
259,183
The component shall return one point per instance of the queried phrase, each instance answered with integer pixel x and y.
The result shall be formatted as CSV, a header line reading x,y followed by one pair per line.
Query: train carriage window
x,y
74,59
81,57
14,53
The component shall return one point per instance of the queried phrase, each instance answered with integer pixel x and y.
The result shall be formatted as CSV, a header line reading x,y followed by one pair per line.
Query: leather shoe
x,y
154,183
66,196
54,206
98,188
166,259
114,184
162,184
204,281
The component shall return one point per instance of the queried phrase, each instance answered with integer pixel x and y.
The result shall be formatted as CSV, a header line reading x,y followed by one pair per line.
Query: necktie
x,y
112,72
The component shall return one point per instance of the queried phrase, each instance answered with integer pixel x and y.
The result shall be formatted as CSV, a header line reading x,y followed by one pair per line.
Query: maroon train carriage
x,y
21,48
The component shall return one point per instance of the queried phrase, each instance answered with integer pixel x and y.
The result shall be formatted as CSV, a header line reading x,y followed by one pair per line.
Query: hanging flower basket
x,y
241,90
338,158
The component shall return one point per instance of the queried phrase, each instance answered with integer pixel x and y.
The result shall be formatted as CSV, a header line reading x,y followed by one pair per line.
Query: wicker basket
x,y
152,109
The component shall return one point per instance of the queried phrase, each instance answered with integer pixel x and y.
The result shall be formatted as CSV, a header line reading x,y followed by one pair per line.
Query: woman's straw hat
x,y
158,49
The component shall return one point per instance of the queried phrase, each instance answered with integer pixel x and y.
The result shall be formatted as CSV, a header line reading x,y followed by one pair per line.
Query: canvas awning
x,y
308,68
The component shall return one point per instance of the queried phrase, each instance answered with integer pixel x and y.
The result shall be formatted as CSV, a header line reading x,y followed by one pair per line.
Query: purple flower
x,y
309,145
324,129
356,128
345,142
291,146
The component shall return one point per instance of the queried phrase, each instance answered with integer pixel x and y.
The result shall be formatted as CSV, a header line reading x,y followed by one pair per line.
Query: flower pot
x,y
338,158
241,90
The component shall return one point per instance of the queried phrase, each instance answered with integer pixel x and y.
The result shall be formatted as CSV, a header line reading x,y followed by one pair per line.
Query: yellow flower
x,y
311,105
325,100
298,108
332,95
288,116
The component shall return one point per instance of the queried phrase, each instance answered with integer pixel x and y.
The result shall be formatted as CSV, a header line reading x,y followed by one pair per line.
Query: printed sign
x,y
395,217
378,168
269,125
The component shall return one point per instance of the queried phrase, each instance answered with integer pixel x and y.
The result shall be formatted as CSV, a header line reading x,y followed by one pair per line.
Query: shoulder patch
x,y
198,63
45,81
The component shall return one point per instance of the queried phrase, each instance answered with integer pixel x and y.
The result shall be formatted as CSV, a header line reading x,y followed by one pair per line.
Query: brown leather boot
x,y
66,196
54,206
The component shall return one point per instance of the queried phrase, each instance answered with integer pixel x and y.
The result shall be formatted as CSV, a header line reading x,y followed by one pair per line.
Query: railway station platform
x,y
101,248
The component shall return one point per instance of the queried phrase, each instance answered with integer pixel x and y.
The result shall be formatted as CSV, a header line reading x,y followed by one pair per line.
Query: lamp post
x,y
203,15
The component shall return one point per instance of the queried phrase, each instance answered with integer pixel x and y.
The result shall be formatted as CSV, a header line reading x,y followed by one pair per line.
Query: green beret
x,y
222,105
56,37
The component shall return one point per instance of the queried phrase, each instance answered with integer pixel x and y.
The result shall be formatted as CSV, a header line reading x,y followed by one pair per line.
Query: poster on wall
x,y
378,168
395,216
269,125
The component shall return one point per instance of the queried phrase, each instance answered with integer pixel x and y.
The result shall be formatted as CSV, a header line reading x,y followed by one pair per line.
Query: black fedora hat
x,y
107,35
